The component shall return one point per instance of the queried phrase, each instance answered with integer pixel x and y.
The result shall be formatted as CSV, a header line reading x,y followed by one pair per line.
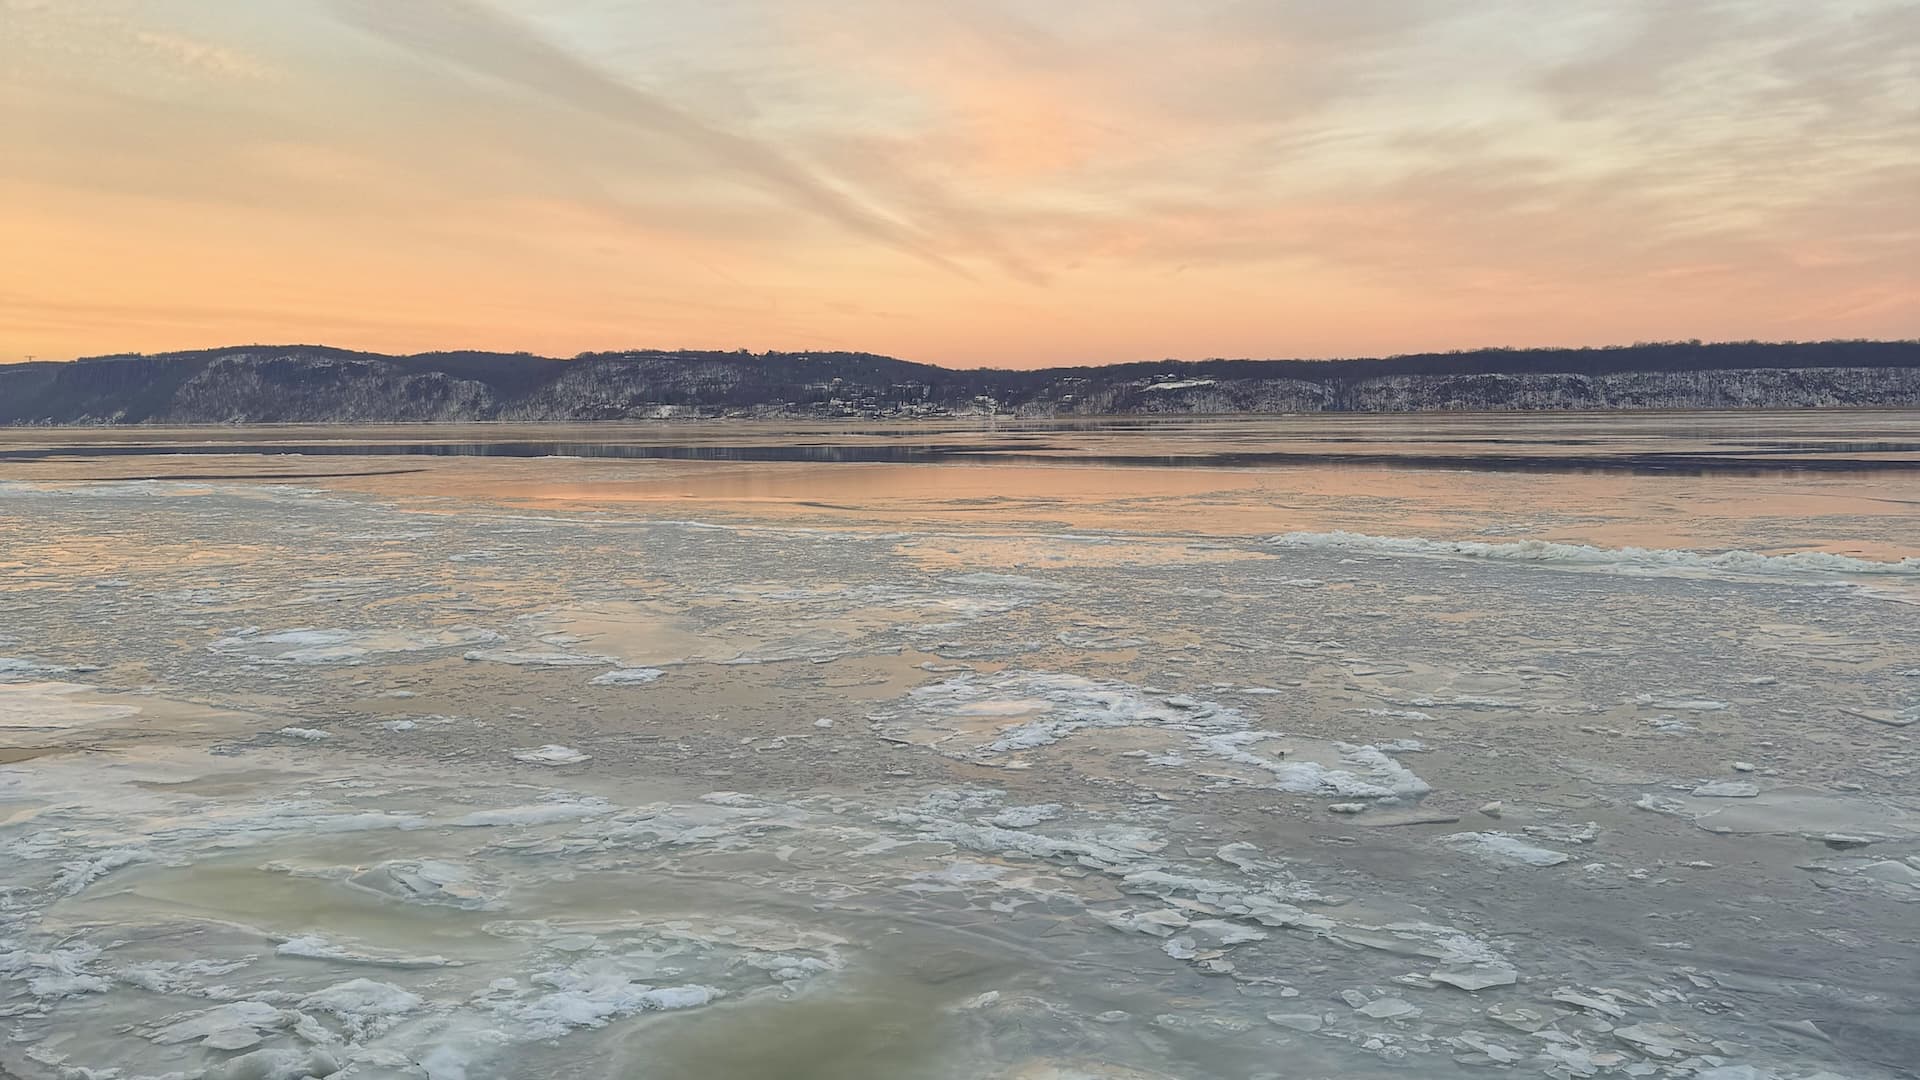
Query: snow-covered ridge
x,y
1645,560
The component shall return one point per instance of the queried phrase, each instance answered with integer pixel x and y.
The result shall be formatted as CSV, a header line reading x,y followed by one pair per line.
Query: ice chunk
x,y
276,1063
1661,1040
309,734
1021,817
252,1016
1517,1018
57,973
546,813
427,881
626,677
678,997
315,947
362,1000
1649,701
1030,735
1160,922
1589,1002
1476,976
1660,804
55,706
19,665
1389,1008
1893,872
551,754
1727,789
1228,933
1584,833
1361,772
174,976
260,822
1790,811
1504,847
591,996
1496,1053
76,876
336,646
540,658
1181,947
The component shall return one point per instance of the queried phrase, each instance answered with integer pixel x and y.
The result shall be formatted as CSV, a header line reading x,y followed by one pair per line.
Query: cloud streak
x,y
478,40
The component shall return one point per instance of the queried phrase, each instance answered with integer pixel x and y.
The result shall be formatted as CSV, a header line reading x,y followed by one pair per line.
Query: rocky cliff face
x,y
321,385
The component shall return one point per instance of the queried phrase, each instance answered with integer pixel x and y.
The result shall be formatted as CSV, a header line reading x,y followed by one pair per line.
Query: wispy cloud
x,y
476,39
204,56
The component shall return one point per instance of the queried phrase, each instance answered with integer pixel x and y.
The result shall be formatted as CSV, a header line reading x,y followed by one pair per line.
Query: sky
x,y
963,182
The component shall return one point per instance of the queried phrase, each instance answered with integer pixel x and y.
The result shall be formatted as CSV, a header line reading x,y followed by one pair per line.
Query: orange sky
x,y
963,182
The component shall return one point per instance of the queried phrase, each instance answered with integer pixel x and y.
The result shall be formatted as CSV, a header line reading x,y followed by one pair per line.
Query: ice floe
x,y
1505,847
1727,789
544,813
56,706
233,1026
1789,811
339,646
590,995
539,657
551,754
984,716
627,677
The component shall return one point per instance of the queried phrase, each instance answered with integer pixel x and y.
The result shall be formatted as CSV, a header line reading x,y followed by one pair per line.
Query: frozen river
x,y
1316,748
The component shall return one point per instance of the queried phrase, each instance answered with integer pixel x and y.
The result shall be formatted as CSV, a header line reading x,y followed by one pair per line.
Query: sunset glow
x,y
976,183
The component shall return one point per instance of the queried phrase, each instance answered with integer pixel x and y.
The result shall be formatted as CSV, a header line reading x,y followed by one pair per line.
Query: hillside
x,y
309,383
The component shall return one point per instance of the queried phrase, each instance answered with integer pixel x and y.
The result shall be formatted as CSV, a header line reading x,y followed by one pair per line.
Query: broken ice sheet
x,y
1727,789
1505,848
1476,976
551,754
340,646
627,677
1790,811
987,717
55,706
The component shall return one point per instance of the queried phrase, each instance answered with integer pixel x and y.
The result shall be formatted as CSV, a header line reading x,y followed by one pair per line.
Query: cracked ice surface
x,y
366,789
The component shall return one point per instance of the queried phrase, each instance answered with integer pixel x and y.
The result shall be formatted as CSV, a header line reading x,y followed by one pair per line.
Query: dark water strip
x,y
1734,462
